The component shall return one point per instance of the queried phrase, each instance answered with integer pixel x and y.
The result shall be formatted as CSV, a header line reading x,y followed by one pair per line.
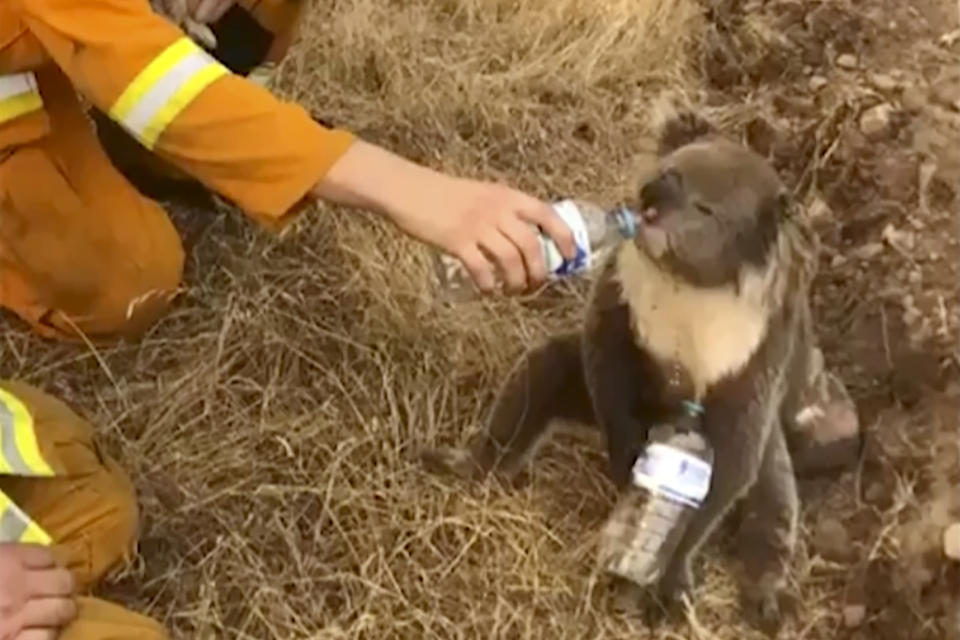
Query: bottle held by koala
x,y
595,230
671,478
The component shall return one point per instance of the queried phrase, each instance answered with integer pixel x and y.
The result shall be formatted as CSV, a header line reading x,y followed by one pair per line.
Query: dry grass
x,y
272,420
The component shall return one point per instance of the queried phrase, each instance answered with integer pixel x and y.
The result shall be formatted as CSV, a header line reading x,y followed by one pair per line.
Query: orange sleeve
x,y
262,153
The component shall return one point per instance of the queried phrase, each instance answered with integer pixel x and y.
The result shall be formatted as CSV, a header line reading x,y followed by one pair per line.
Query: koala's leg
x,y
768,533
547,383
819,417
738,436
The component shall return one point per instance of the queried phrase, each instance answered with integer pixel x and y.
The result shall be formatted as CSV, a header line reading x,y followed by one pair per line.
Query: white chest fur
x,y
711,332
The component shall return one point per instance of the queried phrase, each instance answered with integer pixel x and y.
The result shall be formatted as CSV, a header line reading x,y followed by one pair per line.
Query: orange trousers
x,y
90,511
82,251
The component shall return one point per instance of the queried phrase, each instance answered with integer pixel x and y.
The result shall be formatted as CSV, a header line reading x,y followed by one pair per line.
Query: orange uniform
x,y
80,247
82,250
58,489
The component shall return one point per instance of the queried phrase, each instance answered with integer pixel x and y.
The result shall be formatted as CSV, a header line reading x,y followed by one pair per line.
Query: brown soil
x,y
271,421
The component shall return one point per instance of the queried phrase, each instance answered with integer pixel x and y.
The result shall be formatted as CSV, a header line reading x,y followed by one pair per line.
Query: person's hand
x,y
485,225
36,596
207,11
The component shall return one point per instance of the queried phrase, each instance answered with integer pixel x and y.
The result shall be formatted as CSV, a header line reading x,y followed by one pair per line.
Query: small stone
x,y
832,540
882,82
874,492
875,121
819,211
847,61
901,240
838,261
853,615
951,541
916,277
868,251
817,82
913,98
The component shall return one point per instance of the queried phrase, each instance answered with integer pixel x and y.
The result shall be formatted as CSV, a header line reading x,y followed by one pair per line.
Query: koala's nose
x,y
663,192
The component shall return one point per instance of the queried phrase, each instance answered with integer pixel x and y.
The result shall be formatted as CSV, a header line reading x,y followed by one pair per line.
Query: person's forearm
x,y
370,177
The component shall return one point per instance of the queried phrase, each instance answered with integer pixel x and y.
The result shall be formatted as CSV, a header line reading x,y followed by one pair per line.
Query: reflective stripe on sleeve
x,y
164,88
19,450
17,526
18,95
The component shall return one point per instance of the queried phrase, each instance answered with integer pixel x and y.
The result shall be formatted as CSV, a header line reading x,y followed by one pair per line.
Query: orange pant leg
x,y
79,246
89,510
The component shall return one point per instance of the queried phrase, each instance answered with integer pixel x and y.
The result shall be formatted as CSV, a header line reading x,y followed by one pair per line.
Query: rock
x,y
875,492
847,61
882,82
951,541
903,241
913,98
853,615
832,540
875,121
838,261
817,82
819,211
868,251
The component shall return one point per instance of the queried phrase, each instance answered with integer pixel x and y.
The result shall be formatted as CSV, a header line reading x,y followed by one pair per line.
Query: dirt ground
x,y
272,420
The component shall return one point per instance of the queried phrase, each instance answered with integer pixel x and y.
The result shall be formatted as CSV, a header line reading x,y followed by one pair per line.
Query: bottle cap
x,y
627,221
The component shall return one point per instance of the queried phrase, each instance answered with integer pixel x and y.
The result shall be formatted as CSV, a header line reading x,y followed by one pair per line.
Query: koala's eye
x,y
704,209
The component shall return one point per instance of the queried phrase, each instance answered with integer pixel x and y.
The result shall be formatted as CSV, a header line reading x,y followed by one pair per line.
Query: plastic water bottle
x,y
595,230
671,478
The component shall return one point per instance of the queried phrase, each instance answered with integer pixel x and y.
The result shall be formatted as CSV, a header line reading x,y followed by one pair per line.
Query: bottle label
x,y
556,264
662,469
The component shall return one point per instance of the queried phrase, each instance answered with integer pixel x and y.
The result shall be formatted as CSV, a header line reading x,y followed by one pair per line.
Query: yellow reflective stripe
x,y
18,95
19,449
164,88
17,526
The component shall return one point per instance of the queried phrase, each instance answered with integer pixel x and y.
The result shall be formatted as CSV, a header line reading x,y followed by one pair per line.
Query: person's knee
x,y
98,619
134,283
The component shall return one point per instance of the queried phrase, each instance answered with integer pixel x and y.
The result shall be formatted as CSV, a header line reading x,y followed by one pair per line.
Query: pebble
x,y
819,211
882,82
902,240
853,615
817,82
913,99
951,541
847,61
832,540
868,251
838,261
875,121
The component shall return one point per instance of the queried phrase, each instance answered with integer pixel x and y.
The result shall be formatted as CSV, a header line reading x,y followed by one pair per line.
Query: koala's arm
x,y
622,381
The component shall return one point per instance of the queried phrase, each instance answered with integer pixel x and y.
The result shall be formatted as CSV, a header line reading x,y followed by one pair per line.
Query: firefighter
x,y
84,252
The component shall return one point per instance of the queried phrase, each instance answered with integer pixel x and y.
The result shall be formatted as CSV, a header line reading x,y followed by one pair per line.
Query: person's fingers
x,y
50,582
547,219
211,10
37,634
478,267
508,258
221,8
35,556
527,241
48,612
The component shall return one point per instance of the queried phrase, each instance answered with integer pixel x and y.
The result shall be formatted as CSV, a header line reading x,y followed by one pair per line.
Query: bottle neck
x,y
626,221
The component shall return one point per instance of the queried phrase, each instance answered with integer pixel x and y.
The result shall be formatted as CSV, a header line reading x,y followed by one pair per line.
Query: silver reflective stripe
x,y
165,88
8,444
12,525
16,84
